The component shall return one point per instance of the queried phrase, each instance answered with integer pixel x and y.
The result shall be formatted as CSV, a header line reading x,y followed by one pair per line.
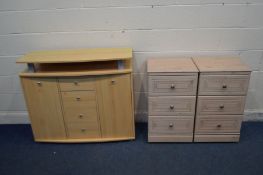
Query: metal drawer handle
x,y
171,106
83,130
39,83
224,86
78,98
171,125
219,126
172,86
221,106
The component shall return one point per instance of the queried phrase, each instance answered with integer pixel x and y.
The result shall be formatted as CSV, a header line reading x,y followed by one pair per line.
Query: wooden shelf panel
x,y
75,73
77,55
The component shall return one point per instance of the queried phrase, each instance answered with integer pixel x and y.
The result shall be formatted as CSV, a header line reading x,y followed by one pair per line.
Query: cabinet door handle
x,y
171,106
224,86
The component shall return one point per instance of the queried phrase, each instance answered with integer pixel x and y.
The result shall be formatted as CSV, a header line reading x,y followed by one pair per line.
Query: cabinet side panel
x,y
44,107
115,106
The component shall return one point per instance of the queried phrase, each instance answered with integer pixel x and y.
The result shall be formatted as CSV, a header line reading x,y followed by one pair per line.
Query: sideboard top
x,y
77,55
170,65
220,64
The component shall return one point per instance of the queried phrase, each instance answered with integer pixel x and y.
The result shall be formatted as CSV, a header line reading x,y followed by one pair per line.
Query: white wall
x,y
153,28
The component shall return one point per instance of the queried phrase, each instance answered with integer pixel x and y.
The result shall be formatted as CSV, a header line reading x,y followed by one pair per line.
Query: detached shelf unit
x,y
81,95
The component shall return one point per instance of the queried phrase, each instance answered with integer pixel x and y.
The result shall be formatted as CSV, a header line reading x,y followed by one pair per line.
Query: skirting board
x,y
21,117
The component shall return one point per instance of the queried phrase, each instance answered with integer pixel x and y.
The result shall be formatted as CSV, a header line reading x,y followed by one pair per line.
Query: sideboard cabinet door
x,y
116,106
44,105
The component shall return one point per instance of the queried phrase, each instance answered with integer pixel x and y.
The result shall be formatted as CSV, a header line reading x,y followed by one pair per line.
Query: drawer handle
x,y
219,126
83,130
39,83
172,86
221,106
76,83
171,106
78,98
113,81
171,125
80,115
224,86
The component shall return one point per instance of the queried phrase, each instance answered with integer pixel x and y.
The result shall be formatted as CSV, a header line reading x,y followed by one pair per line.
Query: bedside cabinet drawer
x,y
83,130
220,105
159,125
218,124
172,85
181,105
72,84
223,84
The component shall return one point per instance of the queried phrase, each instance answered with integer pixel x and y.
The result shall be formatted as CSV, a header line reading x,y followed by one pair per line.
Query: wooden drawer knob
x,y
78,98
221,106
113,81
171,106
39,83
76,83
219,125
80,115
83,130
172,86
224,86
171,125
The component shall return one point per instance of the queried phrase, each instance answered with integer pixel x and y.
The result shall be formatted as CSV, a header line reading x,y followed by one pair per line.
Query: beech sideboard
x,y
83,95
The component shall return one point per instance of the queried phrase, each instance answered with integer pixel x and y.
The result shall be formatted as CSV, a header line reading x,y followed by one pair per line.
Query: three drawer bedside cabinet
x,y
222,89
83,95
172,86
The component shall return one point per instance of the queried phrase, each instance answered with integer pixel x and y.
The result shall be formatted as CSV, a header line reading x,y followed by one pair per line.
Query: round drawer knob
x,y
224,86
80,115
83,130
219,125
172,86
78,98
171,106
112,81
171,125
76,83
39,83
221,106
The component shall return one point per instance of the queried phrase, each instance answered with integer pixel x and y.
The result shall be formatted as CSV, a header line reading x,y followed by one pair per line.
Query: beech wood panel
x,y
172,105
220,105
172,85
44,106
115,106
223,84
73,84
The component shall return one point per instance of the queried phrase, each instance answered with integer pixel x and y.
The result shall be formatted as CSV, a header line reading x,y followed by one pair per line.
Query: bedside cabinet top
x,y
220,64
170,65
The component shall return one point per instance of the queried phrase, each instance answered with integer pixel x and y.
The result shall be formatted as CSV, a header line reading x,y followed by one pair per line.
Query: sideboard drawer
x,y
218,124
179,105
83,130
159,125
80,114
223,84
172,85
71,84
220,104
